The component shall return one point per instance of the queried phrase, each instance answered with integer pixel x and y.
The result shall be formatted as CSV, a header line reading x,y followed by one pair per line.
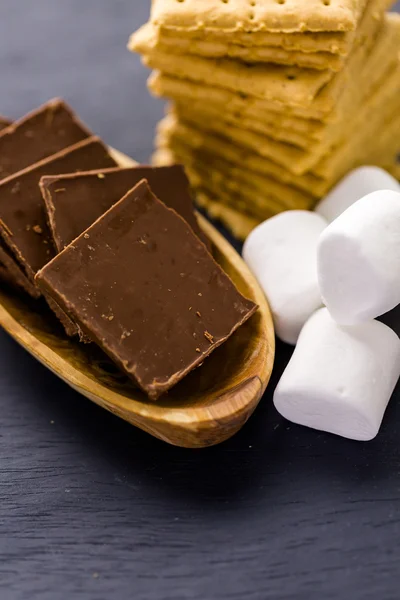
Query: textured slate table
x,y
91,508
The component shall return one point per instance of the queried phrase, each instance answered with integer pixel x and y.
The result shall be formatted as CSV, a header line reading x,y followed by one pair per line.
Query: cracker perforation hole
x,y
281,1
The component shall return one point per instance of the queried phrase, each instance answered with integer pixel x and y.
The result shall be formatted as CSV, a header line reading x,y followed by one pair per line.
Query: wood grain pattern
x,y
207,408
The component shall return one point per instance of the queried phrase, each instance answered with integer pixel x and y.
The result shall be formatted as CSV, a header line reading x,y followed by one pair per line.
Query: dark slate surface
x,y
91,508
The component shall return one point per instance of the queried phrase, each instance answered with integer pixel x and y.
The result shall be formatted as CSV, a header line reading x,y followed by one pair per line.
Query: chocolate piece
x,y
4,122
75,201
38,135
70,328
23,224
146,290
12,274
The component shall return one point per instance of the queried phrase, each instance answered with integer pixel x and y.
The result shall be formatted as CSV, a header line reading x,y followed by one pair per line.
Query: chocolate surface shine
x,y
74,202
40,134
141,285
23,223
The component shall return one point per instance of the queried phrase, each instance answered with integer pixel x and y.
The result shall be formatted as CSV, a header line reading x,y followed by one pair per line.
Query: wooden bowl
x,y
208,407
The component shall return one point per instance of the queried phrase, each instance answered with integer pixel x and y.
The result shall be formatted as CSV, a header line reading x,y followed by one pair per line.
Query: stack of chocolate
x,y
273,101
116,252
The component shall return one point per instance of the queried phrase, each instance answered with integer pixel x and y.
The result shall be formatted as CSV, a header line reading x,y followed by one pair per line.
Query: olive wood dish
x,y
206,408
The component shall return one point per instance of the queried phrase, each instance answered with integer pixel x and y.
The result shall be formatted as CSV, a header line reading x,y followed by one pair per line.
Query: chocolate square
x,y
23,224
142,286
75,201
39,134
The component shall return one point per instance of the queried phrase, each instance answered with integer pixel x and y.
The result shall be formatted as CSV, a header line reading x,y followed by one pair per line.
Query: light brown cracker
x,y
288,86
288,156
263,191
369,123
333,42
170,130
262,15
261,204
297,160
300,132
149,36
165,86
239,224
192,144
386,154
230,82
260,127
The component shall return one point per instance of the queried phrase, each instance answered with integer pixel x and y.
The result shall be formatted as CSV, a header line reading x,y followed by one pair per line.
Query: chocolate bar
x,y
75,201
23,225
12,274
142,286
38,135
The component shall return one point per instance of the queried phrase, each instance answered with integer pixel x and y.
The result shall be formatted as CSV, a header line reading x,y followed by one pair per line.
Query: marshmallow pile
x,y
328,275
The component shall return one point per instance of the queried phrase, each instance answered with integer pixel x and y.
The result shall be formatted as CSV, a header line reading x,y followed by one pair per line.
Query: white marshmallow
x,y
340,379
281,252
354,186
359,259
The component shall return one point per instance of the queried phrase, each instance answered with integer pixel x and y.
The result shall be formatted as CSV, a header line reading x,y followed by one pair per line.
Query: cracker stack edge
x,y
272,103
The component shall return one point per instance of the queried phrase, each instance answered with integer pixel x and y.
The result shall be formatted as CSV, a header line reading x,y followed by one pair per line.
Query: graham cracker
x,y
368,124
386,154
170,130
163,157
366,128
262,205
339,43
295,159
292,158
281,85
264,193
239,224
237,200
150,36
300,100
240,106
191,150
247,171
300,132
311,136
334,42
263,15
209,112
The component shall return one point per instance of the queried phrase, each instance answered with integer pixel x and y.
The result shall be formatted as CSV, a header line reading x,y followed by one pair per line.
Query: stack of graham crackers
x,y
273,101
